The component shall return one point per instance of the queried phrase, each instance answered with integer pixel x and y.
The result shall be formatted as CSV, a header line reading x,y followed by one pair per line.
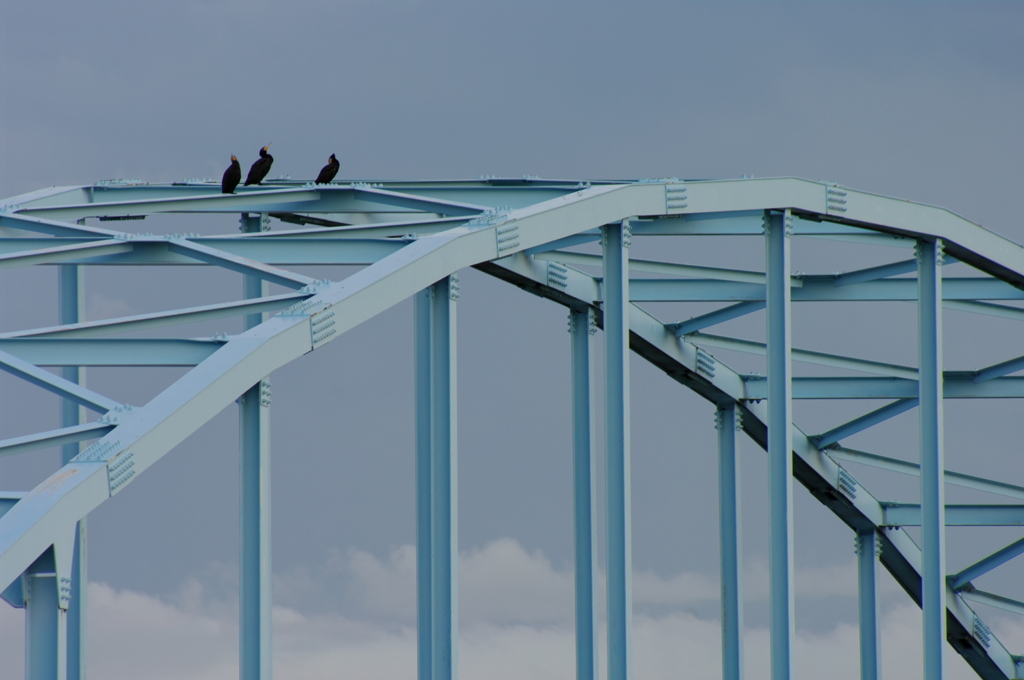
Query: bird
x,y
260,168
329,171
232,176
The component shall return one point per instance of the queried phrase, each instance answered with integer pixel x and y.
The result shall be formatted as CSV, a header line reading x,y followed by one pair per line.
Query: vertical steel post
x,y
616,241
424,499
933,520
780,459
729,536
70,294
867,590
436,482
255,625
581,326
45,622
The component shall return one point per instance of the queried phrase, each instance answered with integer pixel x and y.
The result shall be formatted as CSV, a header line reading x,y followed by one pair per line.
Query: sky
x,y
916,100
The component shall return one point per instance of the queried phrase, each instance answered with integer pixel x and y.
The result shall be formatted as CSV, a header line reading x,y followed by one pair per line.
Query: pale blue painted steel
x,y
933,523
242,360
436,482
780,458
323,246
239,264
137,322
52,227
718,316
956,385
1000,369
45,623
1004,603
111,351
78,251
986,565
908,468
255,577
424,488
818,289
808,356
874,273
864,422
61,437
867,597
1000,515
444,481
729,539
617,449
581,323
71,299
58,385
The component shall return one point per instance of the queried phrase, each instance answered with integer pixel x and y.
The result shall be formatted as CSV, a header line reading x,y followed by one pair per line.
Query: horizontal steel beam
x,y
63,253
365,230
909,515
807,356
957,385
246,200
39,225
957,293
275,252
654,267
44,440
111,351
907,468
161,319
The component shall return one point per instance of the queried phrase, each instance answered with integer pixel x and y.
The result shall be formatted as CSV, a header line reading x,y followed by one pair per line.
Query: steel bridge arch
x,y
414,238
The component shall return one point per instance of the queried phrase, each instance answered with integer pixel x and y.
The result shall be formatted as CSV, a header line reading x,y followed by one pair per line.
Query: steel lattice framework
x,y
412,238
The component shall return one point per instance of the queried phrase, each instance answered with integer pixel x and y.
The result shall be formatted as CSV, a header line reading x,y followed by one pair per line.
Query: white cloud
x,y
516,625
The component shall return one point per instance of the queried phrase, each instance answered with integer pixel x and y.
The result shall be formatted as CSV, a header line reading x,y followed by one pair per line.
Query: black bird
x,y
329,171
232,176
260,168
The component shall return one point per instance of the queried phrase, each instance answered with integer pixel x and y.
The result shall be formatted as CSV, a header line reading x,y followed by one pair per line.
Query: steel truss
x,y
413,238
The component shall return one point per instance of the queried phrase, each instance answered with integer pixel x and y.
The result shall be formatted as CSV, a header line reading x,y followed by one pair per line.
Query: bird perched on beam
x,y
329,171
232,176
260,168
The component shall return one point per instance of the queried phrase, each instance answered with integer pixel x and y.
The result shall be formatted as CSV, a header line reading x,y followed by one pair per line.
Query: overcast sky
x,y
917,100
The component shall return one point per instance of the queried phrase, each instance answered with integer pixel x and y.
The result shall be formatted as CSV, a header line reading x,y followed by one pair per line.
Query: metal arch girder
x,y
41,518
145,434
819,473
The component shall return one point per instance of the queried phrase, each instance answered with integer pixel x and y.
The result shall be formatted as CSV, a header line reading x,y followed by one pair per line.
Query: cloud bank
x,y
516,622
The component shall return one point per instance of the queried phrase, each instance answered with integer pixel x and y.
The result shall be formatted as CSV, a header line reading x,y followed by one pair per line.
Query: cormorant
x,y
260,168
232,176
329,171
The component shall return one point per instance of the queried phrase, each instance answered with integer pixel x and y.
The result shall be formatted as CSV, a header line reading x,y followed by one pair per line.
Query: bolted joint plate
x,y
322,327
120,470
846,483
705,364
835,200
558,275
675,198
982,632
